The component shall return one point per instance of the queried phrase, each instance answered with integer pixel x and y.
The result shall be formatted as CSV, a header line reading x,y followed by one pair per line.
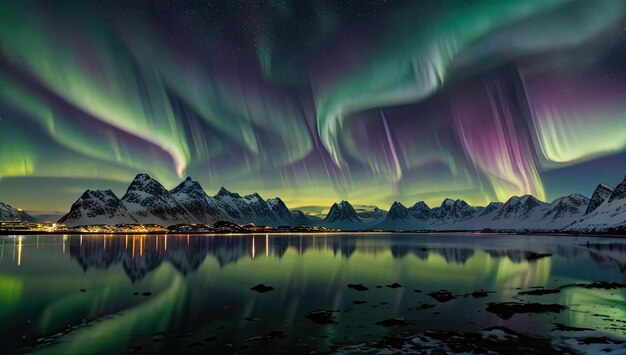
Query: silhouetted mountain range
x,y
146,201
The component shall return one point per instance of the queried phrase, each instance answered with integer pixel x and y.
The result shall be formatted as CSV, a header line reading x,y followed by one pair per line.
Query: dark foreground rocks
x,y
506,310
261,288
539,292
442,295
492,340
394,322
321,316
358,287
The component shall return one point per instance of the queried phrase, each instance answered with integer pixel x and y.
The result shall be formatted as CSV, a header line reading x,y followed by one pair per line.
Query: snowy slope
x,y
203,208
451,212
401,218
247,209
8,213
601,193
282,215
97,207
560,213
342,215
609,214
150,203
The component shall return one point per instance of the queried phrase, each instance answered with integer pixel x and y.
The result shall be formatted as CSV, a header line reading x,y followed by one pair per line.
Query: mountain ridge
x,y
146,201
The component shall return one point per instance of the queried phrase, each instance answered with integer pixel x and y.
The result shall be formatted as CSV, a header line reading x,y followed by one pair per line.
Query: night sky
x,y
314,101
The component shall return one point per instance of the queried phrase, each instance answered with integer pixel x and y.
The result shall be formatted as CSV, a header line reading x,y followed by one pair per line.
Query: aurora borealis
x,y
314,101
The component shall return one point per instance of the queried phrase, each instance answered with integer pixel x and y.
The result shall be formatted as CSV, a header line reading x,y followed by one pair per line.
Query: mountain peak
x,y
420,205
395,205
448,202
600,194
342,212
188,178
225,193
254,195
619,192
142,177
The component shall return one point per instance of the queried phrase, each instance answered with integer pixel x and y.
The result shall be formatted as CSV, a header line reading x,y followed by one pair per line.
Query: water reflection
x,y
200,285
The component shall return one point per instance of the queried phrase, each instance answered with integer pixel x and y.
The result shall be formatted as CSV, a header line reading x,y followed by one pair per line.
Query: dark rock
x,y
394,285
539,292
146,294
605,285
442,295
567,328
83,290
480,294
394,322
321,317
274,334
425,306
358,287
262,288
506,310
359,302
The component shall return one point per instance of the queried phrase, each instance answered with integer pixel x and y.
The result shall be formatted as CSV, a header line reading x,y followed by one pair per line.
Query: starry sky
x,y
314,100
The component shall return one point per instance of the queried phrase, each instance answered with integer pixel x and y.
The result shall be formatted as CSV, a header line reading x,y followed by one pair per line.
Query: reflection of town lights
x,y
19,250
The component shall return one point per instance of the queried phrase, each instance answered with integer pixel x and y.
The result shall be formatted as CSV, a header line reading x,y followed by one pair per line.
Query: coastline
x,y
368,232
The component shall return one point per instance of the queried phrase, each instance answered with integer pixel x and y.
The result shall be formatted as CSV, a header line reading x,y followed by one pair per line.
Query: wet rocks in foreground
x,y
275,334
394,322
539,292
321,317
480,293
506,310
261,288
425,306
358,287
442,296
567,328
604,285
498,340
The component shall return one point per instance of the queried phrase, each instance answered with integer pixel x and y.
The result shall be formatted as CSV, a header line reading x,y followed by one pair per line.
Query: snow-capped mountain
x,y
342,215
97,207
611,213
150,203
202,207
401,218
299,218
280,210
147,201
420,210
369,214
8,213
518,208
491,207
450,212
600,194
560,213
248,209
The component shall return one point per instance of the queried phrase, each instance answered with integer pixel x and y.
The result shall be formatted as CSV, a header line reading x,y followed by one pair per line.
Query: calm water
x,y
73,294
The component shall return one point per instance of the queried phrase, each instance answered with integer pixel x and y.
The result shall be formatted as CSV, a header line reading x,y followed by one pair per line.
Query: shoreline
x,y
582,234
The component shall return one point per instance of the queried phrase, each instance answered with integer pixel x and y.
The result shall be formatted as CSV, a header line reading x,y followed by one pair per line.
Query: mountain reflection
x,y
139,255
